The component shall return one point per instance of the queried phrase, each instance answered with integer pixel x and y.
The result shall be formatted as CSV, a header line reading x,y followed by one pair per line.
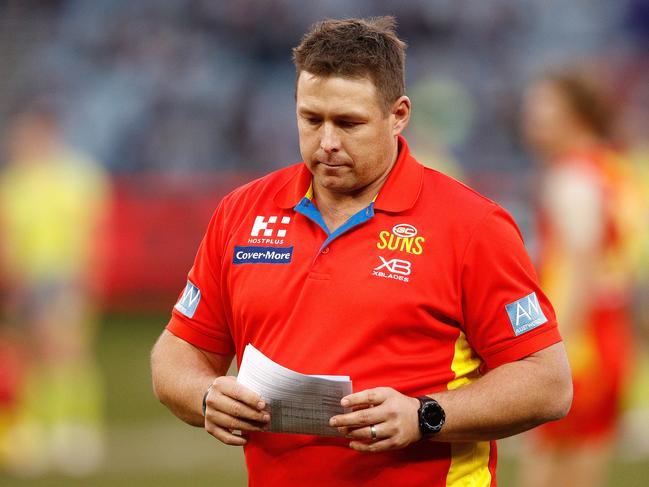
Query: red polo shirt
x,y
422,291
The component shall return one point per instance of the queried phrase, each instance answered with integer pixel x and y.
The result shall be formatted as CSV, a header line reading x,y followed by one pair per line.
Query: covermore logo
x,y
262,255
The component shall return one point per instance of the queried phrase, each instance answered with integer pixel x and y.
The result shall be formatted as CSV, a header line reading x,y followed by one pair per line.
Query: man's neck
x,y
336,208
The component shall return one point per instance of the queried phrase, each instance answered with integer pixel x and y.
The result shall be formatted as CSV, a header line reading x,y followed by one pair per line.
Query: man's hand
x,y
230,407
393,415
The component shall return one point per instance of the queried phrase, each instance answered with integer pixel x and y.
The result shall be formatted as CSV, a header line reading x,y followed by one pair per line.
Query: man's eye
x,y
349,125
313,121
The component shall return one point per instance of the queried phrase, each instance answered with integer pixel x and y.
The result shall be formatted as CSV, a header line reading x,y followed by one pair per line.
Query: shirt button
x,y
325,250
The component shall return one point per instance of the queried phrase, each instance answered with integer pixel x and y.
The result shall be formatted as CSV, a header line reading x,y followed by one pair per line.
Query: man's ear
x,y
400,114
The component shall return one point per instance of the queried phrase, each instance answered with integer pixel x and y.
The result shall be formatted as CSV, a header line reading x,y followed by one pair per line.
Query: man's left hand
x,y
392,414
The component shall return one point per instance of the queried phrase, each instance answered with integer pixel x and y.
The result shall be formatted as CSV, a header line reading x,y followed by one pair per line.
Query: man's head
x,y
350,102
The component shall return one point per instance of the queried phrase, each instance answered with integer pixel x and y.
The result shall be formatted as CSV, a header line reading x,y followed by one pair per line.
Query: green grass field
x,y
149,447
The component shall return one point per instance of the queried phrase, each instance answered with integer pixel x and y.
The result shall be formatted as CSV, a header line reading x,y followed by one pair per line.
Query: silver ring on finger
x,y
373,432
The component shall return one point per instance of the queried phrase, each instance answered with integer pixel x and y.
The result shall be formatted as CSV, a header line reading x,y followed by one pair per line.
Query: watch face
x,y
431,416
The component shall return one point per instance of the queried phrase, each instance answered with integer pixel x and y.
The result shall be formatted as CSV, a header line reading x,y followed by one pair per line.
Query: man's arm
x,y
182,374
507,400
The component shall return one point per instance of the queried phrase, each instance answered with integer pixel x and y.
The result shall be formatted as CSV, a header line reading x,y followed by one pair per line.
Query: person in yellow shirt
x,y
52,203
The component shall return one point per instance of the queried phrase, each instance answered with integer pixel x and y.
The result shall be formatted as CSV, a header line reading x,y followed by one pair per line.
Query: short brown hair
x,y
355,48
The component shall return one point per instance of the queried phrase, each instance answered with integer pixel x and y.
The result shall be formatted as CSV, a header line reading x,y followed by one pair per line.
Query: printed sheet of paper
x,y
297,403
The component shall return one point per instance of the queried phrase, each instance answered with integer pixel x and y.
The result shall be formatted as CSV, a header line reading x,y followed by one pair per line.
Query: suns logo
x,y
403,238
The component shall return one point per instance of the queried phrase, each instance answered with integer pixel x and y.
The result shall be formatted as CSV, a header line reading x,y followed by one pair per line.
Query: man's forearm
x,y
181,374
509,399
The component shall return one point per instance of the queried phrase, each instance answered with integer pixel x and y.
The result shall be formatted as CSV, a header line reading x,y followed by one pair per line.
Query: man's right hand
x,y
231,407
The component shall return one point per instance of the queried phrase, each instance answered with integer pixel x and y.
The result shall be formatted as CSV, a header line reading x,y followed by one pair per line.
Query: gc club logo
x,y
404,230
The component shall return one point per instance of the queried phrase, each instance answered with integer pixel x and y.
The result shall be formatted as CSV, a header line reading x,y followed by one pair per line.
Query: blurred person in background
x,y
584,267
52,203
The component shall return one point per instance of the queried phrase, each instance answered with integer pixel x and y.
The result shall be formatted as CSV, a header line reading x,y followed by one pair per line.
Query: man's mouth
x,y
332,163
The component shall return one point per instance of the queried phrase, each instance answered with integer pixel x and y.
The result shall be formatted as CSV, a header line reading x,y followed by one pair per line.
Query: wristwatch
x,y
431,416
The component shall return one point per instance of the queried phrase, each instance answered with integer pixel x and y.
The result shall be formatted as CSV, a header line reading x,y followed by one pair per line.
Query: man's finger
x,y
368,397
229,386
231,423
225,436
362,417
365,433
371,447
231,407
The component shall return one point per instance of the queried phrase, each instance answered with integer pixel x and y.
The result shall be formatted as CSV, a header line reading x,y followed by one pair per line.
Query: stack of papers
x,y
297,403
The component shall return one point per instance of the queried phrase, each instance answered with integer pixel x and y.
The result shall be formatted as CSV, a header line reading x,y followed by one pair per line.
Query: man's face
x,y
347,141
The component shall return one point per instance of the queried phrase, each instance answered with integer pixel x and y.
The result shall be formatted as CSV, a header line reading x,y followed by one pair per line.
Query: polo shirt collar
x,y
403,186
399,192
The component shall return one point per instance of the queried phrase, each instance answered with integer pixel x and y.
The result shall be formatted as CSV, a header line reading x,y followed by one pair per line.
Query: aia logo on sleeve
x,y
525,314
189,300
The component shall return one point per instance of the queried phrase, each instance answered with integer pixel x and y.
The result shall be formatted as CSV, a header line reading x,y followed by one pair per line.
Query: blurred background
x,y
123,123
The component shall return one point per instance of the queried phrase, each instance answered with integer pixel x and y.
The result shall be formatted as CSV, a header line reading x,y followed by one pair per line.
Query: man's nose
x,y
330,142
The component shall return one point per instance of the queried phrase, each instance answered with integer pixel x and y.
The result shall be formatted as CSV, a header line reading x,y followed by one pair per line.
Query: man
x,y
361,262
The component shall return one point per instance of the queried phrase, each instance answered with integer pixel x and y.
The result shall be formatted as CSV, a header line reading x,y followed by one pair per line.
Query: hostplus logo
x,y
271,230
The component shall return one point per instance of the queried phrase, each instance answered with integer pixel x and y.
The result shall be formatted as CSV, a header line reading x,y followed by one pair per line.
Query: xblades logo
x,y
397,266
396,269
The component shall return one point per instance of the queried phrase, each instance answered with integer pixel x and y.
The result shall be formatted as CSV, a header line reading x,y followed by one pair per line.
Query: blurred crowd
x,y
185,87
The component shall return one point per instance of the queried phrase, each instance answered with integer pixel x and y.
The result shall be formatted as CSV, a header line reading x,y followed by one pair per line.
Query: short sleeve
x,y
506,315
198,316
